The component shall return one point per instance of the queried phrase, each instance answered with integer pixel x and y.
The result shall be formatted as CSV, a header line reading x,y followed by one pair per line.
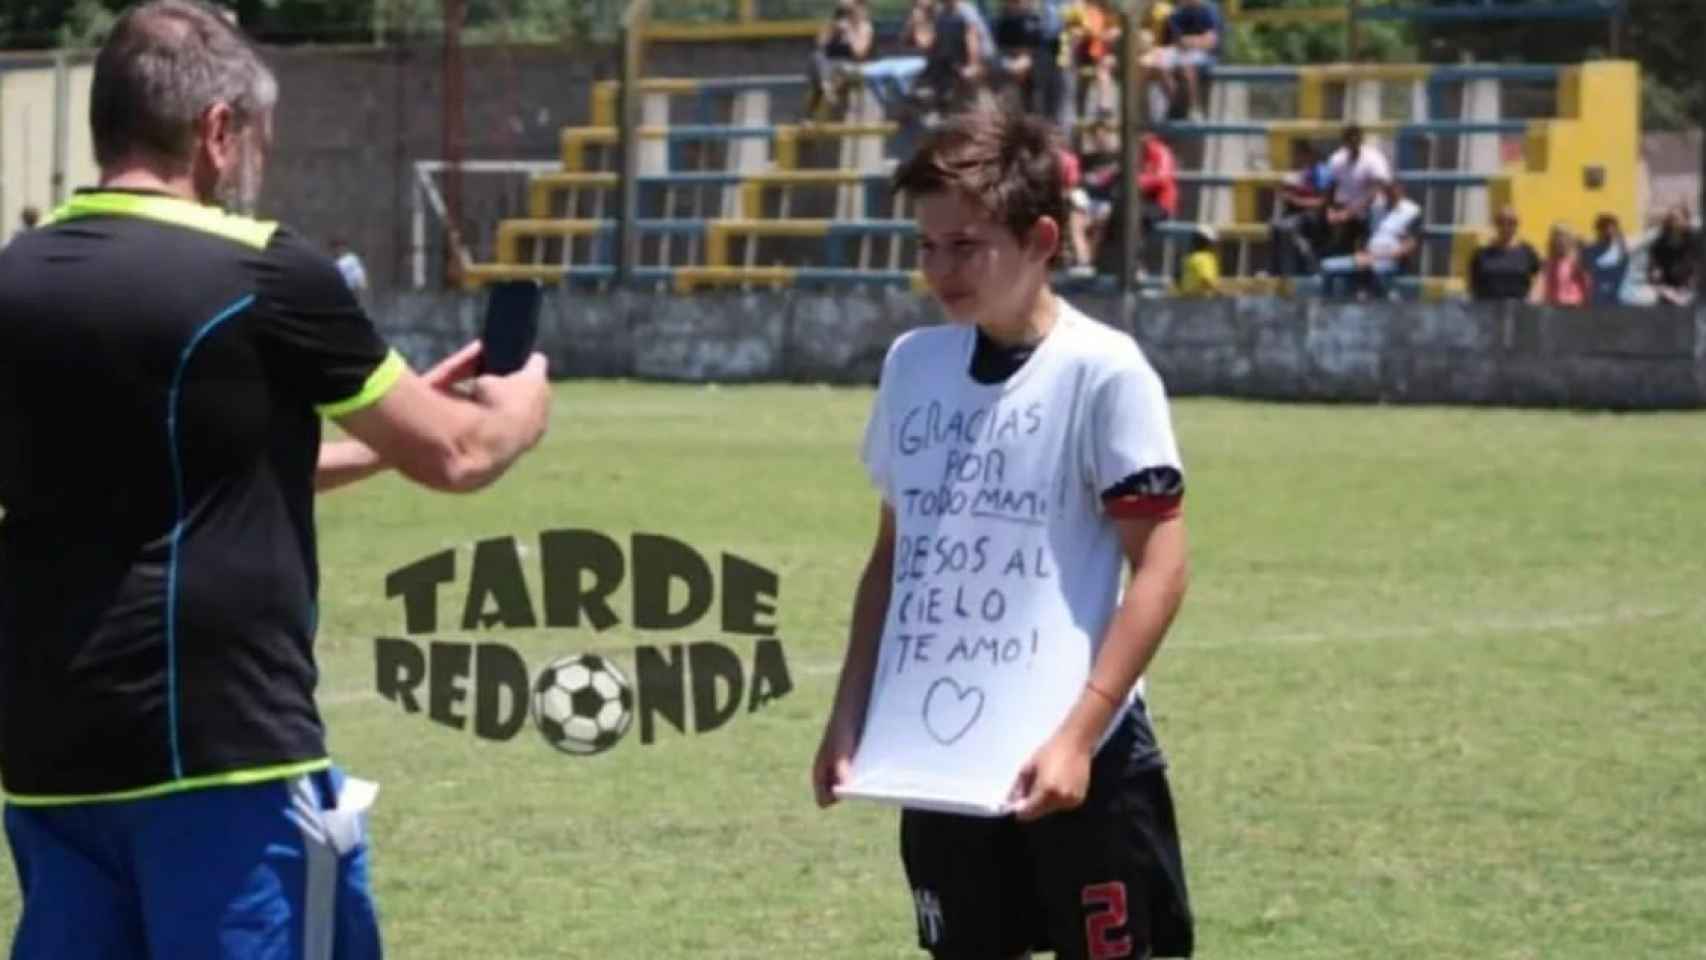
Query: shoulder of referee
x,y
298,256
298,274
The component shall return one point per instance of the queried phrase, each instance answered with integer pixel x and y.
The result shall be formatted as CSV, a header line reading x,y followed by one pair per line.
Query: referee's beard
x,y
239,191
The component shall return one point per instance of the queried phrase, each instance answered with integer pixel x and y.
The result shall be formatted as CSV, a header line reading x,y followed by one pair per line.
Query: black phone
x,y
511,326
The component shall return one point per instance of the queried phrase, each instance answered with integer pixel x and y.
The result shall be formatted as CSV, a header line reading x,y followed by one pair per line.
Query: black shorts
x,y
1104,881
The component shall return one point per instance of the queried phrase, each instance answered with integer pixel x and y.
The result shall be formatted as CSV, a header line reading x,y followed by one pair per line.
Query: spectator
x,y
1154,28
1396,235
1094,200
1020,49
919,30
1673,257
1607,261
1152,35
1095,44
1200,275
1357,171
1077,214
1053,67
1506,268
1190,43
1158,182
954,66
1563,280
845,40
350,266
1299,228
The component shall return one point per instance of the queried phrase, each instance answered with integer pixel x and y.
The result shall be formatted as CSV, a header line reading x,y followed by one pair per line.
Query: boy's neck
x,y
1030,325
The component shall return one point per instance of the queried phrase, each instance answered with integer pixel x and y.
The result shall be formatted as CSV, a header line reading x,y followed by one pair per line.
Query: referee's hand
x,y
1057,777
456,369
522,399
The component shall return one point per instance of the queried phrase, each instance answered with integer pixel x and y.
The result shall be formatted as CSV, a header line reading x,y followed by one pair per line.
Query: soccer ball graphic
x,y
582,704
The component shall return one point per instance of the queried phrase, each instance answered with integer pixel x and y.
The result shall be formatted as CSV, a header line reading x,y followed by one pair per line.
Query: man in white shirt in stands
x,y
1358,170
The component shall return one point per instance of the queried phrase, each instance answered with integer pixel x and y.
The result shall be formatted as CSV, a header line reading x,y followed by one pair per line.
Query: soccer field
x,y
1438,691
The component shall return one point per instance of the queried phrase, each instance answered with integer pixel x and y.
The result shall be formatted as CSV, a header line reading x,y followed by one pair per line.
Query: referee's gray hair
x,y
163,64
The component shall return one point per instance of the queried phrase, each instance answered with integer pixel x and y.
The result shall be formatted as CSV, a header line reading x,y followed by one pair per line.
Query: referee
x,y
164,369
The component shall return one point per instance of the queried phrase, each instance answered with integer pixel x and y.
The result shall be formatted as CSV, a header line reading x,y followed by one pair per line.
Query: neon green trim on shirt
x,y
233,778
379,382
174,210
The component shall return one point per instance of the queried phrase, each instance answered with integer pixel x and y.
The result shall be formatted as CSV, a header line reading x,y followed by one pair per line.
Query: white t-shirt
x,y
1390,228
1007,568
1355,183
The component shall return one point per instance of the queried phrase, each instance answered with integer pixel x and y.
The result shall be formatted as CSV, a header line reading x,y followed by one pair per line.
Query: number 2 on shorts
x,y
1105,913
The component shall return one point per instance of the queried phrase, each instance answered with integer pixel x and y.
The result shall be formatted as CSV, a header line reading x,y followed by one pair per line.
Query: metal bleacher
x,y
728,196
810,205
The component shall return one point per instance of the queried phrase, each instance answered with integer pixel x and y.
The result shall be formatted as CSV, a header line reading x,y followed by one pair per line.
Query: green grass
x,y
1436,691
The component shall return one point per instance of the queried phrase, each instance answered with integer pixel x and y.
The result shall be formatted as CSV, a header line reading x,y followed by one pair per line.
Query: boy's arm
x,y
1059,776
858,665
343,462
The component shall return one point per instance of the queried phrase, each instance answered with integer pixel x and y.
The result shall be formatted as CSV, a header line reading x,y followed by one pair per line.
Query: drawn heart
x,y
950,710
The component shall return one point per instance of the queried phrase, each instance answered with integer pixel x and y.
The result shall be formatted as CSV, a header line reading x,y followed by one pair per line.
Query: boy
x,y
1087,864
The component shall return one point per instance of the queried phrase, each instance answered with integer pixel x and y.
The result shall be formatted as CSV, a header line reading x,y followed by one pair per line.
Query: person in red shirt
x,y
1158,181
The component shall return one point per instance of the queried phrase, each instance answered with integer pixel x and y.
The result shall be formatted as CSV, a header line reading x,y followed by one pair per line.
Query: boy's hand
x,y
834,763
1057,777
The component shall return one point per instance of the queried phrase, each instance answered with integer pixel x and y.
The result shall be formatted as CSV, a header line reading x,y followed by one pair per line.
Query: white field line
x,y
1304,638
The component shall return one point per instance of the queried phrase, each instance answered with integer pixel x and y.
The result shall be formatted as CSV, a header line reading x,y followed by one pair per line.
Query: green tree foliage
x,y
1318,43
1667,37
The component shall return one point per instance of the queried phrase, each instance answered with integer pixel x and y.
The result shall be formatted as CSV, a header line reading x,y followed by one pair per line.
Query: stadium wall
x,y
1445,353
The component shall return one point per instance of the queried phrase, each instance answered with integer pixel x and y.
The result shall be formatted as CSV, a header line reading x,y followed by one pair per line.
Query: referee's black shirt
x,y
163,371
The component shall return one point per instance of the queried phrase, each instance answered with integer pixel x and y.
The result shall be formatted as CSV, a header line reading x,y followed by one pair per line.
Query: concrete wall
x,y
1270,349
352,122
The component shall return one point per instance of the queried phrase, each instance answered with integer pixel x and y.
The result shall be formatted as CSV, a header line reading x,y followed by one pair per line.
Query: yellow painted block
x,y
1311,94
478,275
751,30
604,103
716,244
787,147
543,186
1399,72
1246,191
510,233
1587,161
604,95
